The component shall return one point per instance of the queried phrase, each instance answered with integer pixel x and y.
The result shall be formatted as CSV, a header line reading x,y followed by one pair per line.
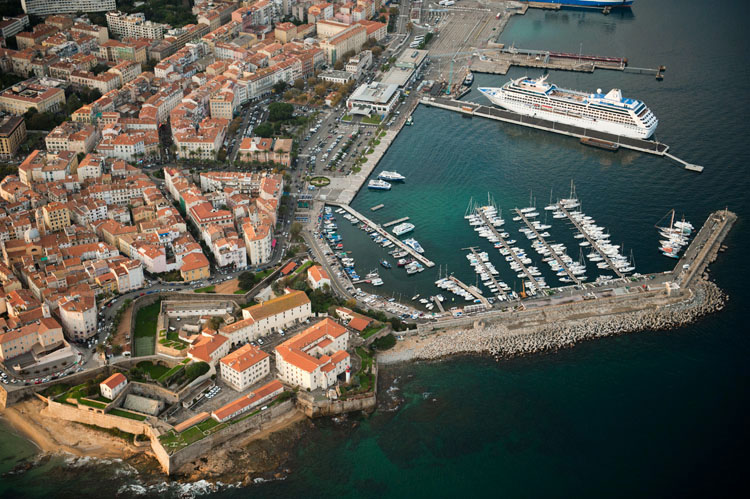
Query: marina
x,y
494,113
510,251
593,243
551,251
387,235
497,287
472,291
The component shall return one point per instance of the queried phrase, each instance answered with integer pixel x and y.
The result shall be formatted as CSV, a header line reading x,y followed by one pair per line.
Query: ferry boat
x,y
391,176
403,228
379,185
609,113
469,79
413,244
592,4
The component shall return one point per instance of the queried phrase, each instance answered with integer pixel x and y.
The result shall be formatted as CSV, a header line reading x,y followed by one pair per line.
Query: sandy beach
x,y
55,436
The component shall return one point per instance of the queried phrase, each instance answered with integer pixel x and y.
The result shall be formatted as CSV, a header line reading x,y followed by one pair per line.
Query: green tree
x,y
279,87
280,111
295,229
299,84
338,65
196,369
265,130
246,281
320,89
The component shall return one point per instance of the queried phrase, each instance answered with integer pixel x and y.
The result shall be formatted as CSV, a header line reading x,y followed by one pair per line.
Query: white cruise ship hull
x,y
624,130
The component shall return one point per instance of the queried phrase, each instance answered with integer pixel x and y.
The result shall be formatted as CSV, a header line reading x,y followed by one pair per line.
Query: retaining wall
x,y
245,428
320,408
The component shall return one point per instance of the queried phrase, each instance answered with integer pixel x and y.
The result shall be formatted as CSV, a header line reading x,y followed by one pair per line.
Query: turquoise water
x,y
648,414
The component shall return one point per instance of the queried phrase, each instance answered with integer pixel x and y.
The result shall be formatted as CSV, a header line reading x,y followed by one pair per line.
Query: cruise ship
x,y
403,228
609,113
391,176
594,4
379,185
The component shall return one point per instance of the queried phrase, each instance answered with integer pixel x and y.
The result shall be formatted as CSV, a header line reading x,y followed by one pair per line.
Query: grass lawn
x,y
207,289
155,371
346,117
370,330
92,403
169,373
207,424
145,329
127,414
192,434
372,120
366,359
240,292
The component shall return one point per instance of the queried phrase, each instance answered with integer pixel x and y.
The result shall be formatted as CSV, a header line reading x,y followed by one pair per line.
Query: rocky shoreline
x,y
499,341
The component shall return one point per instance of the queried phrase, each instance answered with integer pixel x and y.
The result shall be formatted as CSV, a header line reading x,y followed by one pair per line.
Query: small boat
x,y
385,264
409,121
403,228
391,176
415,297
469,79
379,185
377,282
413,244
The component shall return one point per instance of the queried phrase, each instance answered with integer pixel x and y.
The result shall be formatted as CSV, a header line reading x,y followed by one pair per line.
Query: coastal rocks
x,y
500,341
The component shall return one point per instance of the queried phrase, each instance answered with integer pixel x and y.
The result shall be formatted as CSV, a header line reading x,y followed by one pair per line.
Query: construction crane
x,y
453,57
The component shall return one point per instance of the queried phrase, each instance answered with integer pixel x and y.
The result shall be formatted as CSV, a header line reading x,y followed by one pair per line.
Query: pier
x,y
470,289
500,62
439,304
510,250
549,248
495,113
394,222
492,277
591,241
380,230
376,207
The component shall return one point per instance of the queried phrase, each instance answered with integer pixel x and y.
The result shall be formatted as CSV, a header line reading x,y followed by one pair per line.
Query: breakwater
x,y
508,339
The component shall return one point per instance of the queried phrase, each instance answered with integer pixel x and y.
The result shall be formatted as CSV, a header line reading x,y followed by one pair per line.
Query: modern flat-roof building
x,y
12,135
373,98
406,68
47,7
33,93
134,25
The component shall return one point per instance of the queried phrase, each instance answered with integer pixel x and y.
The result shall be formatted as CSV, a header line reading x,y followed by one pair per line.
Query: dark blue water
x,y
657,414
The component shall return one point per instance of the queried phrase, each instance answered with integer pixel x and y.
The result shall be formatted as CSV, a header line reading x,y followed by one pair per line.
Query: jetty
x,y
473,291
552,252
498,114
394,222
439,304
593,243
377,207
500,61
380,230
506,246
487,271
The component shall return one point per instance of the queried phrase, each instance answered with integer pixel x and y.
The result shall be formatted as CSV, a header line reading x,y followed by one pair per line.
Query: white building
x,y
78,316
112,386
246,402
359,63
315,357
122,25
48,7
245,367
373,98
280,312
258,242
317,277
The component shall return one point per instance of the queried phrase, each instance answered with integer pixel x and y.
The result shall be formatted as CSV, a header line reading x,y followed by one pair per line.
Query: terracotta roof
x,y
244,358
114,380
275,306
288,268
248,400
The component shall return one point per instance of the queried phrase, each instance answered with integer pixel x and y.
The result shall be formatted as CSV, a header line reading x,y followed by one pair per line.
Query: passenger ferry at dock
x,y
609,113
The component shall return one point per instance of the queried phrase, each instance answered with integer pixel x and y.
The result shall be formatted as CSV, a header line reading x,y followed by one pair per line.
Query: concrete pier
x,y
473,292
591,241
507,246
494,113
492,277
549,248
380,230
394,222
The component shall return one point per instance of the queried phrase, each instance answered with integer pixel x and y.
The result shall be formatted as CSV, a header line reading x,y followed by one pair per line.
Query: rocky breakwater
x,y
506,339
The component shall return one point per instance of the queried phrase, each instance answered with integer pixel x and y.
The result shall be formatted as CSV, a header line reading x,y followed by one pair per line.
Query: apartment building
x,y
12,135
32,94
122,25
49,7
